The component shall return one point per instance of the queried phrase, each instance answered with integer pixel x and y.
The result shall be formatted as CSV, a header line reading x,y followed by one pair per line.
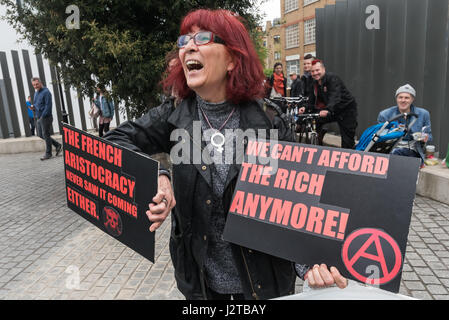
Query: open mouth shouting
x,y
194,65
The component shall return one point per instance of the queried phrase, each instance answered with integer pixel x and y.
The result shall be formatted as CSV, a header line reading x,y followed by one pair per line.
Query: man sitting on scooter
x,y
412,145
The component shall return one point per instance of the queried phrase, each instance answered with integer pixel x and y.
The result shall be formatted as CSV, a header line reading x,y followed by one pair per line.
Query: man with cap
x,y
296,85
409,146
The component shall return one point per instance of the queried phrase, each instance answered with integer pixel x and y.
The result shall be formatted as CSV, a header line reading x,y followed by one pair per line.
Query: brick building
x,y
294,36
272,41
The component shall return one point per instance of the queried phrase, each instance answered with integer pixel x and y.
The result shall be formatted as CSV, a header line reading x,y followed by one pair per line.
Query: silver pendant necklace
x,y
218,139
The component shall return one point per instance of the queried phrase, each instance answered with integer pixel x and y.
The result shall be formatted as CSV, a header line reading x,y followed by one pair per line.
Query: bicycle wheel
x,y
306,136
299,132
314,138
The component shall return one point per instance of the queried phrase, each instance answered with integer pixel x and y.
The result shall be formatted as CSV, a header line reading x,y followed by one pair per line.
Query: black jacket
x,y
306,85
263,276
334,94
296,88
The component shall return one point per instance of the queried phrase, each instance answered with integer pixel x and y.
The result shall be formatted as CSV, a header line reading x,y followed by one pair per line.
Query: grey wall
x,y
411,46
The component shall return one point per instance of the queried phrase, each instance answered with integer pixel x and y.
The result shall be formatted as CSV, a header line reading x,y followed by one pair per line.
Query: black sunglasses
x,y
200,38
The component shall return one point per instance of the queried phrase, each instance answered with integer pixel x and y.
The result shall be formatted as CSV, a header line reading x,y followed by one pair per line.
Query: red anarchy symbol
x,y
113,222
375,235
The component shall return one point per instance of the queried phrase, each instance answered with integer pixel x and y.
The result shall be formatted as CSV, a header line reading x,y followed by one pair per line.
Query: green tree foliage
x,y
268,72
120,43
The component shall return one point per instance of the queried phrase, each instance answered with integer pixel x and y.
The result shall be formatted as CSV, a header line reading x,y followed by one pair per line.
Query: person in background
x,y
277,86
412,145
106,105
30,109
92,112
278,82
333,101
43,106
306,79
296,86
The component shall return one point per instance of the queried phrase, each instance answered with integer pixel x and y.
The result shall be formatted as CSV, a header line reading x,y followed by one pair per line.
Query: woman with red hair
x,y
218,79
244,79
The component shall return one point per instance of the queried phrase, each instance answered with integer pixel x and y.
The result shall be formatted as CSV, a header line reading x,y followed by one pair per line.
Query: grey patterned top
x,y
222,275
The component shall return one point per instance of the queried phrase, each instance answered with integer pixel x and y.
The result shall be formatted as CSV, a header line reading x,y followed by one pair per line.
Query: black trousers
x,y
32,126
103,127
44,131
347,123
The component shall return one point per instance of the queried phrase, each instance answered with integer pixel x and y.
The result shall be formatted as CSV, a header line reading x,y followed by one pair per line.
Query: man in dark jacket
x,y
306,79
296,86
333,101
43,107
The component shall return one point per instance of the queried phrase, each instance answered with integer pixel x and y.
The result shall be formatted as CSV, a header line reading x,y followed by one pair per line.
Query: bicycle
x,y
308,124
290,107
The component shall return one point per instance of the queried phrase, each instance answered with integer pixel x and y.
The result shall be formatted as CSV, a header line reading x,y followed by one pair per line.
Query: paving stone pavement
x,y
49,252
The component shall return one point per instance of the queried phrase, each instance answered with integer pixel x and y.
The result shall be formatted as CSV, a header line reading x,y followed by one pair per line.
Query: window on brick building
x,y
307,2
290,5
292,36
309,31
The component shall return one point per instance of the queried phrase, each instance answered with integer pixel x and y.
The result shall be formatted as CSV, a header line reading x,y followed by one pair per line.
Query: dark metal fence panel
x,y
393,71
444,128
40,68
410,46
329,36
28,72
380,91
68,98
415,45
4,131
340,36
82,113
10,95
319,30
117,114
56,95
21,92
435,65
366,66
352,55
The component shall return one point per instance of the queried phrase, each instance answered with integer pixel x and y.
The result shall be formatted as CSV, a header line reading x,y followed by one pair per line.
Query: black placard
x,y
109,186
345,208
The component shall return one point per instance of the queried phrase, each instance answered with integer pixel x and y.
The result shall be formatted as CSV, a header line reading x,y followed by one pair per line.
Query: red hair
x,y
245,81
